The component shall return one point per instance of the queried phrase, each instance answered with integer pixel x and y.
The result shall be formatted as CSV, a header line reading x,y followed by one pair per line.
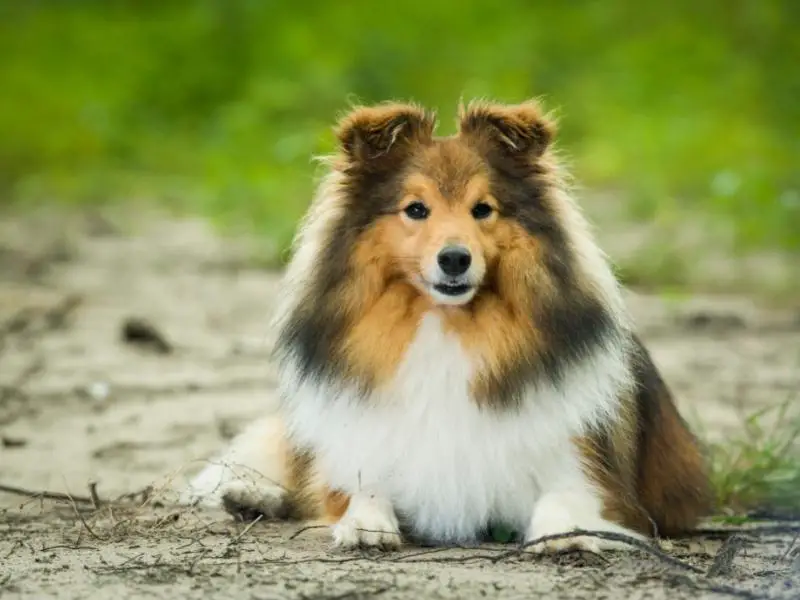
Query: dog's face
x,y
442,235
440,213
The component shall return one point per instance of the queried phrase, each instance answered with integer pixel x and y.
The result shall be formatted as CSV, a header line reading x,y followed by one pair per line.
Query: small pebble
x,y
98,391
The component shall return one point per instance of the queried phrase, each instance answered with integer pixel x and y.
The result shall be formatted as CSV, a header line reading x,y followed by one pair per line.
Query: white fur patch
x,y
446,466
369,521
563,511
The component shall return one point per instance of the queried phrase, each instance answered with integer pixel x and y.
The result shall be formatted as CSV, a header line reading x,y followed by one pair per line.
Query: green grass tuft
x,y
760,471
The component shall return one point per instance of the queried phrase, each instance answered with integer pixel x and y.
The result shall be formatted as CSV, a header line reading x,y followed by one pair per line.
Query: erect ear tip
x,y
532,109
523,127
379,126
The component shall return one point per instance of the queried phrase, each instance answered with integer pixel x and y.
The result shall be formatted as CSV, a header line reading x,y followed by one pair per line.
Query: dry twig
x,y
723,561
46,495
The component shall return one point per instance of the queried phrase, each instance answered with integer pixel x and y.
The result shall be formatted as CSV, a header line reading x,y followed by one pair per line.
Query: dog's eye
x,y
481,210
416,211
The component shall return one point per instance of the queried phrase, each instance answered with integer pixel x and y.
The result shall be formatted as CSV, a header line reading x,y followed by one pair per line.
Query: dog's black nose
x,y
454,260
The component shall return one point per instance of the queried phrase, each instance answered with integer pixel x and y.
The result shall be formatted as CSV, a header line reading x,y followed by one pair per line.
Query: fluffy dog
x,y
454,353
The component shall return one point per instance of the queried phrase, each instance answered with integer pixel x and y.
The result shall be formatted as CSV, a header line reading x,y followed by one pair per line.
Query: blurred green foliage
x,y
686,108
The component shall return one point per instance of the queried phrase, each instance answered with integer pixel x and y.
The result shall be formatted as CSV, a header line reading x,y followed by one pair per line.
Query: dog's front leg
x,y
370,521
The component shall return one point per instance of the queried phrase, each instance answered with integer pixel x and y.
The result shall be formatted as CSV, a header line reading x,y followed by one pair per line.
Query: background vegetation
x,y
687,112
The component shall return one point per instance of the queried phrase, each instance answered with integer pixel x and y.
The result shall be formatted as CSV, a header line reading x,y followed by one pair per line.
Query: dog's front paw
x,y
560,514
247,501
369,522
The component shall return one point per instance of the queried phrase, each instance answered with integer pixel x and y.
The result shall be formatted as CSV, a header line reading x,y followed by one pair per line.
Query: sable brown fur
x,y
672,474
649,465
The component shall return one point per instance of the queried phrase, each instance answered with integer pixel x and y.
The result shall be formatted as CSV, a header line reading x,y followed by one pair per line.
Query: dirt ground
x,y
93,406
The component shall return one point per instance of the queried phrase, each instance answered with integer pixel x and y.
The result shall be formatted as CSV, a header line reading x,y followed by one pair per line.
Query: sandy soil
x,y
84,399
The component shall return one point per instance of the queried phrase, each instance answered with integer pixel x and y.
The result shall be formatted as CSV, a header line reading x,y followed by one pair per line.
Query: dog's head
x,y
444,213
463,225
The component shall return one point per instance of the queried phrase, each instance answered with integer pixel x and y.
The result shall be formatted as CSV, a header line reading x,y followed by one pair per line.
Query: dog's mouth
x,y
452,289
450,293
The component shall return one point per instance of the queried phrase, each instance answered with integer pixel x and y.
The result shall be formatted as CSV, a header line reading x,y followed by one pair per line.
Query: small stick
x,y
14,547
791,545
85,524
67,547
246,529
302,530
92,500
11,489
723,561
93,493
607,535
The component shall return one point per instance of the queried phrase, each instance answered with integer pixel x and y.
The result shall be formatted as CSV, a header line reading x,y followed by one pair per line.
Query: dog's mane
x,y
583,316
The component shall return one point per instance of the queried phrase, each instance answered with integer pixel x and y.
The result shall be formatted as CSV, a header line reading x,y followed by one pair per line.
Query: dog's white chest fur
x,y
448,467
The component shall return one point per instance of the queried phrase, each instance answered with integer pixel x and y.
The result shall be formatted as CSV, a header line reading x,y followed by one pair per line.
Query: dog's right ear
x,y
370,135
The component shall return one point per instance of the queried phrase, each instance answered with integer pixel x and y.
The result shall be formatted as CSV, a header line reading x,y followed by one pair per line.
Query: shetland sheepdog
x,y
454,353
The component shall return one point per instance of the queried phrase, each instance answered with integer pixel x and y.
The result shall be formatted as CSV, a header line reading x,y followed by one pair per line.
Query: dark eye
x,y
481,210
416,211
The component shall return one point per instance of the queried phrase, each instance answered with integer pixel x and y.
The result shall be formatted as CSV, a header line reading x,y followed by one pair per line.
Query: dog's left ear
x,y
516,129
